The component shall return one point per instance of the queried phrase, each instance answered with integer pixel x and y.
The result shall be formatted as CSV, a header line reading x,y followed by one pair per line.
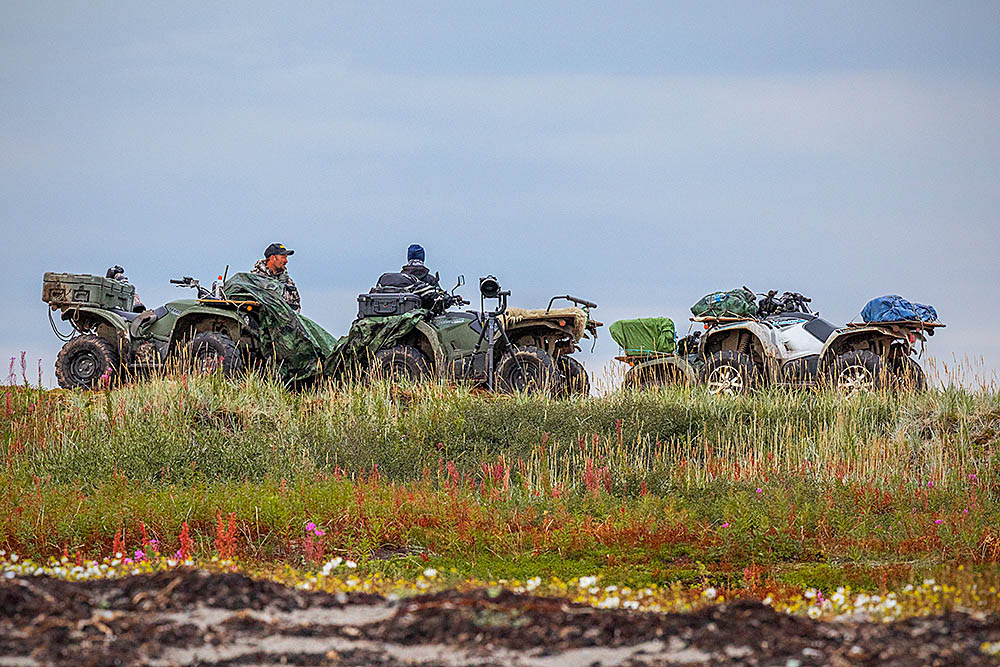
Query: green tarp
x,y
300,349
735,303
645,335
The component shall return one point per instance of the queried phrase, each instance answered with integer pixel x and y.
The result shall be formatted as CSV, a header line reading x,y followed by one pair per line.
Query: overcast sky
x,y
639,154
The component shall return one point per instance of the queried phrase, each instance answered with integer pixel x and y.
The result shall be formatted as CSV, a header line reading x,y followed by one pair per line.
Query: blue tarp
x,y
893,308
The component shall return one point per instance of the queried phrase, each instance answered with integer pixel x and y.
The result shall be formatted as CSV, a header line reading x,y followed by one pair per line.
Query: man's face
x,y
277,263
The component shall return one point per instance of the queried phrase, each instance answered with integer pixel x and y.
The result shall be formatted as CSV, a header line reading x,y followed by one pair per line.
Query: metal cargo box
x,y
81,289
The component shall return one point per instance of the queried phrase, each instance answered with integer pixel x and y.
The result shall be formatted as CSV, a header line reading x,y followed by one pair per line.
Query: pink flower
x,y
319,533
725,525
760,490
937,521
310,526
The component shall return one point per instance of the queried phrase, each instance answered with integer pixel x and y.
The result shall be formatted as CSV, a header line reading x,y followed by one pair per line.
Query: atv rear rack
x,y
916,324
713,320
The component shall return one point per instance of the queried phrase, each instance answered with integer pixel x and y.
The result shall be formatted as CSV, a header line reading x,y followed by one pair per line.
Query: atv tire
x,y
909,376
858,372
84,360
212,351
575,379
401,362
728,373
540,374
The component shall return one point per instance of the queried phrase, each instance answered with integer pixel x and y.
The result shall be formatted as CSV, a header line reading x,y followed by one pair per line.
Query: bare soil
x,y
190,617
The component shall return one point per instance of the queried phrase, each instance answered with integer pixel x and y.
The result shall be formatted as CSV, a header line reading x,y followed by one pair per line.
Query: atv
x,y
109,340
507,349
789,344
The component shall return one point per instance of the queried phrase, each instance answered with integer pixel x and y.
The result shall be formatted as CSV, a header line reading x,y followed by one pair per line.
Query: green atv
x,y
109,340
506,349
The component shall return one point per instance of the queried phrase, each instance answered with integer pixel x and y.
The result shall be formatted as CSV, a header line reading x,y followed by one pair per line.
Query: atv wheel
x,y
83,361
575,379
909,376
212,351
528,369
402,362
651,377
858,372
728,373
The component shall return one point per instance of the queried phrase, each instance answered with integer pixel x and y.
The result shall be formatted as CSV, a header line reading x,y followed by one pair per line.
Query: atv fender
x,y
428,343
719,338
105,323
207,318
874,338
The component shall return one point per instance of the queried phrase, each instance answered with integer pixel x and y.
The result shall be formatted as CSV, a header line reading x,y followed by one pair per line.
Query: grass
x,y
780,489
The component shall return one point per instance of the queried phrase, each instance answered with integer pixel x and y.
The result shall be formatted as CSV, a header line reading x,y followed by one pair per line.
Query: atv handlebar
x,y
188,281
578,301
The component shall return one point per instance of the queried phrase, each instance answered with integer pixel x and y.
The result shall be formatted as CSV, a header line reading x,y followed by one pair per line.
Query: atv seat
x,y
139,321
126,315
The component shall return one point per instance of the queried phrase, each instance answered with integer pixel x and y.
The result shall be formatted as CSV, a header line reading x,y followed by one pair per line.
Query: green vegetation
x,y
797,488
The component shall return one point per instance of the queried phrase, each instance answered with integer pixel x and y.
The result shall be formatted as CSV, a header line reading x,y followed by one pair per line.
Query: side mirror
x,y
461,281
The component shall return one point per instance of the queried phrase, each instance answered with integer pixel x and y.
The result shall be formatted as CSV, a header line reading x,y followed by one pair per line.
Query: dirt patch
x,y
191,617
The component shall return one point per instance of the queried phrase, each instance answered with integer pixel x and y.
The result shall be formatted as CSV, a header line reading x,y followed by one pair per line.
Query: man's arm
x,y
292,294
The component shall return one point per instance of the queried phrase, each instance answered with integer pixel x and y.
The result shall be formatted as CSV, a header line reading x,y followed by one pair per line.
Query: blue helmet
x,y
415,252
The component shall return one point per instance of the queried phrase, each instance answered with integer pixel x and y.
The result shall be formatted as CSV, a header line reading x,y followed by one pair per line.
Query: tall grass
x,y
643,479
186,429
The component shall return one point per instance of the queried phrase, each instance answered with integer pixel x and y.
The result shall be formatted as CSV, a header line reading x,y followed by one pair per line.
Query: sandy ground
x,y
195,618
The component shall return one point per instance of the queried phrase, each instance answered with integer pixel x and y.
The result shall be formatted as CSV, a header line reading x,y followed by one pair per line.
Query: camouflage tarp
x,y
300,349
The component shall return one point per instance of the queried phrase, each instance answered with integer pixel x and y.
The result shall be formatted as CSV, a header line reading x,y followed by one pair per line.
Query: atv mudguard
x,y
841,337
189,319
562,339
761,335
431,343
98,318
673,361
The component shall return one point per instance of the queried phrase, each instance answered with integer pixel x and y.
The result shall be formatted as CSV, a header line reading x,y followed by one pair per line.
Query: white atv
x,y
789,344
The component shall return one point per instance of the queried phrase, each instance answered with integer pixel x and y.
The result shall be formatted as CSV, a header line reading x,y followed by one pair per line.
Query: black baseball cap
x,y
277,249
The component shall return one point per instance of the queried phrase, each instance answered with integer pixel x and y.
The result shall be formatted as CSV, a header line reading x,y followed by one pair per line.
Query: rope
x,y
61,336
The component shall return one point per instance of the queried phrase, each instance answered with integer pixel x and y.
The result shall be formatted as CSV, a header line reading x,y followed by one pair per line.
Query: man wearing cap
x,y
273,266
415,266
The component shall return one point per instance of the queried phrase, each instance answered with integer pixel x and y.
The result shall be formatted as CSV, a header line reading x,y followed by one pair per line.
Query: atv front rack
x,y
248,305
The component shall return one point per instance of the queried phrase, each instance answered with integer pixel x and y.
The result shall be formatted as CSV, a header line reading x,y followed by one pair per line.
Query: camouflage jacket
x,y
291,292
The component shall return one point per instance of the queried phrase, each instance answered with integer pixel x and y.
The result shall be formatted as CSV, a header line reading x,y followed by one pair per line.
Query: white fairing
x,y
794,342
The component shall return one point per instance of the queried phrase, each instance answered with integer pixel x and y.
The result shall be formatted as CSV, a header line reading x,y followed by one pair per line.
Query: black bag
x,y
394,283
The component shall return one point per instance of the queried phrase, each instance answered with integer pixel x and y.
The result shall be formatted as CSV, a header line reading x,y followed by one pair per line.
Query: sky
x,y
637,154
